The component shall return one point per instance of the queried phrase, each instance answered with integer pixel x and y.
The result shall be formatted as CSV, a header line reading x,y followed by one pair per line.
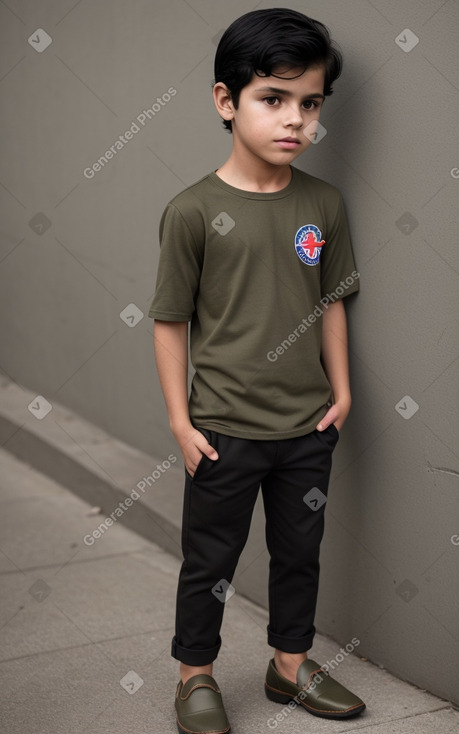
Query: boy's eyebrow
x,y
288,93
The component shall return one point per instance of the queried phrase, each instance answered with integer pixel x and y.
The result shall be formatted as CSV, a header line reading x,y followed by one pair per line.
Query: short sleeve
x,y
338,273
179,269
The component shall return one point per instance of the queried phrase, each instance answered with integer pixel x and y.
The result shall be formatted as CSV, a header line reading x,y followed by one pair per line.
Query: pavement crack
x,y
442,470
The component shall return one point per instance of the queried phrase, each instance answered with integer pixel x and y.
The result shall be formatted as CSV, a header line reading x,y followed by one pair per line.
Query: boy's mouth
x,y
288,143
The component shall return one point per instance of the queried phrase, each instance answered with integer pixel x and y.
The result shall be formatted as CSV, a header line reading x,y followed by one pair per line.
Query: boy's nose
x,y
293,117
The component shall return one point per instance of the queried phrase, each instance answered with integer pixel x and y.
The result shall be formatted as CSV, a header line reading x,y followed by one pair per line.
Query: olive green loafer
x,y
315,690
199,707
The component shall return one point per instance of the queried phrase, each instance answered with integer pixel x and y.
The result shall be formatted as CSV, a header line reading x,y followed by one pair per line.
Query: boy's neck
x,y
254,175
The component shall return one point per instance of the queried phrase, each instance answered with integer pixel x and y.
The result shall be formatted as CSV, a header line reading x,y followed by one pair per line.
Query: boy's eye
x,y
271,101
308,104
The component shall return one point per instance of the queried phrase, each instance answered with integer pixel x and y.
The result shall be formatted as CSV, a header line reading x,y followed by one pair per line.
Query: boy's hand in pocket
x,y
193,445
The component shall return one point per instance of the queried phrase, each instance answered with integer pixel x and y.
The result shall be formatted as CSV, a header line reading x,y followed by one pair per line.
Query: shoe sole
x,y
189,731
279,697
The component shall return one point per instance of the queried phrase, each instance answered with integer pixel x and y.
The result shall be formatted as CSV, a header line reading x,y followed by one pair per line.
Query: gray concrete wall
x,y
78,251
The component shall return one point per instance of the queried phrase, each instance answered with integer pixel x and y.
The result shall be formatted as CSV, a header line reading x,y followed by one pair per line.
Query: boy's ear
x,y
223,101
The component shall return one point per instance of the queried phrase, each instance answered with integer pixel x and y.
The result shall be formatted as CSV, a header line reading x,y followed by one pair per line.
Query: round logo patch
x,y
308,244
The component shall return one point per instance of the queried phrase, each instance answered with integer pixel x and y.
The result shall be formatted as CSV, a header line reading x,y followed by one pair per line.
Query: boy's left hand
x,y
336,414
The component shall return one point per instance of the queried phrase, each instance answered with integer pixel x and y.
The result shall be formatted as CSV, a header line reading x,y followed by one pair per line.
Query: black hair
x,y
262,40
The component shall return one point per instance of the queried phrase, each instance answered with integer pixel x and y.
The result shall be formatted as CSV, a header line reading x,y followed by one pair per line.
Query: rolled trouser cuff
x,y
195,657
291,644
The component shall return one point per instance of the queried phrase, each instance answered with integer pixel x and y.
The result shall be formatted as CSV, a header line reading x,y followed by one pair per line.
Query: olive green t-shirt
x,y
254,273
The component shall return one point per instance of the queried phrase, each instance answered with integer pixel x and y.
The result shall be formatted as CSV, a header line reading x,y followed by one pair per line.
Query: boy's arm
x,y
336,364
171,354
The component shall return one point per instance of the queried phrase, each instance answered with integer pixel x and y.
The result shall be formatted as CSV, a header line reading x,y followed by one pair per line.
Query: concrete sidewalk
x,y
85,634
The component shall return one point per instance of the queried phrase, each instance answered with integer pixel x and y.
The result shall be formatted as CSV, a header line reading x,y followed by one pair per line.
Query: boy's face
x,y
274,115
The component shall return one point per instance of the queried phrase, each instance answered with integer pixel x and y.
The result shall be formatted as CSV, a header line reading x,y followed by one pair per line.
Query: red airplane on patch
x,y
310,243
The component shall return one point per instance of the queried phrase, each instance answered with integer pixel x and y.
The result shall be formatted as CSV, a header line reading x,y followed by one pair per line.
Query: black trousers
x,y
218,506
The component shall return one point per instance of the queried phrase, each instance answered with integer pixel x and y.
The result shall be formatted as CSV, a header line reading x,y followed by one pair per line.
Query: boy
x,y
257,256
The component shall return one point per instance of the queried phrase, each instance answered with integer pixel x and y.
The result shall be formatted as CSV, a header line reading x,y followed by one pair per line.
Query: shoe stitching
x,y
332,711
302,703
199,685
308,683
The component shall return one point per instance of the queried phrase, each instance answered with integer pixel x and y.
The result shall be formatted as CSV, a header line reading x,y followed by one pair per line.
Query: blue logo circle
x,y
309,243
